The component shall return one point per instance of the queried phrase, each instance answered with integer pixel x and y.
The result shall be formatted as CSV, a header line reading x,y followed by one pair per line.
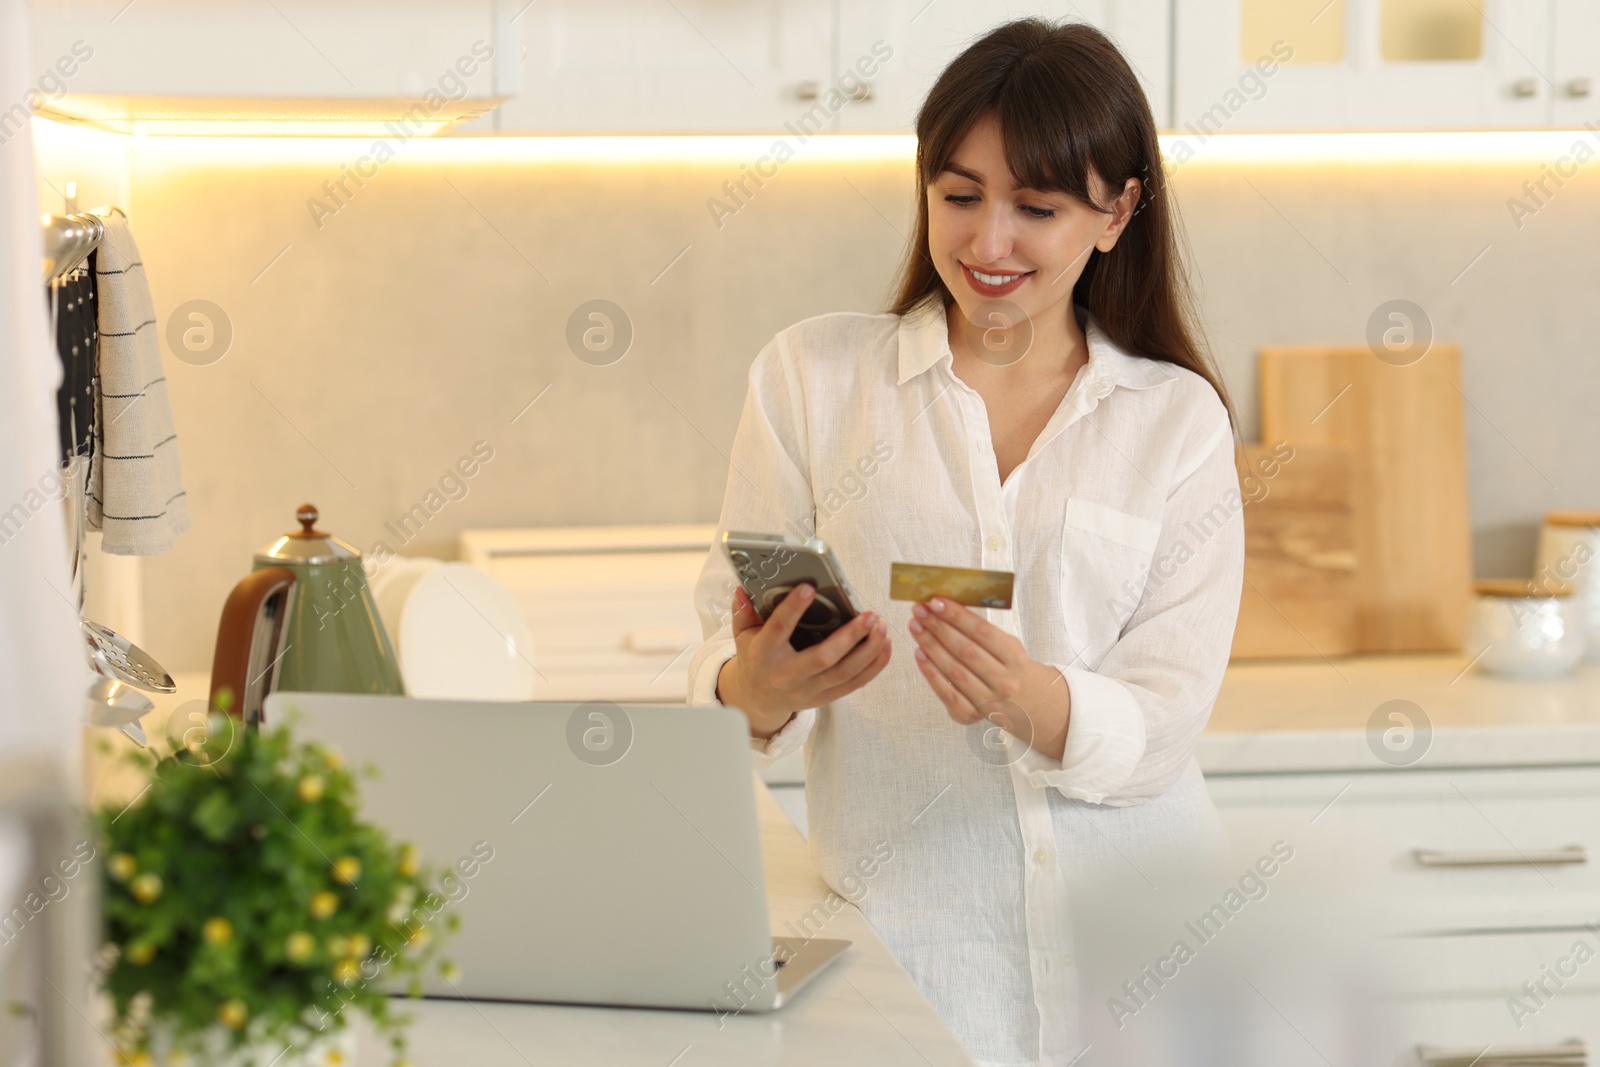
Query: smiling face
x,y
990,239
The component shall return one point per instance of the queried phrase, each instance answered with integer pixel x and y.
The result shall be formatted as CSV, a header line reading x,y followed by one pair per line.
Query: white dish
x,y
392,584
458,632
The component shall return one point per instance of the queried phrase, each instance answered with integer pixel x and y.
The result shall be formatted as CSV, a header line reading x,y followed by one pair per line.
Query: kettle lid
x,y
308,544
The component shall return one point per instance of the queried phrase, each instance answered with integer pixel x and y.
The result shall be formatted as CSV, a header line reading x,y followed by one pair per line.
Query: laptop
x,y
596,853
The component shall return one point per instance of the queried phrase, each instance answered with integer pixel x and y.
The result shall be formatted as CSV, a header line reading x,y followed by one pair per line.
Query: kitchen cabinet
x,y
1575,63
1485,878
1474,838
1460,848
1466,994
707,66
151,64
927,36
1366,64
640,66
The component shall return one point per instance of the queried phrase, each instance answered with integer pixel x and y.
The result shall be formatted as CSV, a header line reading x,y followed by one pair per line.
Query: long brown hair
x,y
1066,100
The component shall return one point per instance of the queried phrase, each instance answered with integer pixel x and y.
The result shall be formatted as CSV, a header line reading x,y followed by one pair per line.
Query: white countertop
x,y
1314,715
864,1009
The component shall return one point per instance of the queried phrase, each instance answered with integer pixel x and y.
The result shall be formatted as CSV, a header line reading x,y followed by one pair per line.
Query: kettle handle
x,y
244,655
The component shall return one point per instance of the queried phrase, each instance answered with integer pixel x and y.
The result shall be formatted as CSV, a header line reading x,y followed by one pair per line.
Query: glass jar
x,y
1569,554
1521,629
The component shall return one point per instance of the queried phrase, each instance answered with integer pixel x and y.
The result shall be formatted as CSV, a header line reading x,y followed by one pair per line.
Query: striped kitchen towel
x,y
136,496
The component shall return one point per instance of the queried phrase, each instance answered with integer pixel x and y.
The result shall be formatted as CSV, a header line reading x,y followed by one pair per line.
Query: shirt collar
x,y
924,339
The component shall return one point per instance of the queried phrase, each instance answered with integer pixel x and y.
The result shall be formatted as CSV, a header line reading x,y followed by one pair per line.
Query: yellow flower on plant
x,y
324,904
360,946
217,930
141,953
135,1058
450,972
418,937
346,870
121,866
333,757
146,887
310,788
338,945
346,971
334,1058
410,861
299,946
232,1013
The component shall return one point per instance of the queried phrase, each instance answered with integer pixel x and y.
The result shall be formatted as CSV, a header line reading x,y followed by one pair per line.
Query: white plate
x,y
392,584
457,631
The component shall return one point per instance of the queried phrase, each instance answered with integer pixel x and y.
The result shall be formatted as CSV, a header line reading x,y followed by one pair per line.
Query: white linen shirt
x,y
1123,526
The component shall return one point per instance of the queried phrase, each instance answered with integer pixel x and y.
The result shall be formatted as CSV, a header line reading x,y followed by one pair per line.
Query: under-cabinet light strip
x,y
771,150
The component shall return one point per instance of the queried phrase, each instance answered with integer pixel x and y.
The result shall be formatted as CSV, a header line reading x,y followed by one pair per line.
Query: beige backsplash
x,y
426,314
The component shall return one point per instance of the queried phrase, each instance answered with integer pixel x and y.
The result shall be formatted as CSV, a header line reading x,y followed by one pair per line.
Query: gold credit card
x,y
974,588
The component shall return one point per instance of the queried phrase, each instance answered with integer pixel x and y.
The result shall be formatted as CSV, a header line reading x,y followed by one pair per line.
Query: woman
x,y
1034,402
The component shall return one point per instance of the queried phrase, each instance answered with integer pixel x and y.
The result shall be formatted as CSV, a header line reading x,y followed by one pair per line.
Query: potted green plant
x,y
250,912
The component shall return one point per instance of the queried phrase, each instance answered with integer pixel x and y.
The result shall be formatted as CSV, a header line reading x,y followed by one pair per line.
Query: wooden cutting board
x,y
1408,480
1299,597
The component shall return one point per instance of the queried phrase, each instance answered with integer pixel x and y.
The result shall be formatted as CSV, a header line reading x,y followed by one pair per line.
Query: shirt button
x,y
1042,857
995,542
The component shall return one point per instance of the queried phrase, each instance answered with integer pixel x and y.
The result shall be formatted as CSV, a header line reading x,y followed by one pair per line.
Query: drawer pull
x,y
1432,857
1572,1053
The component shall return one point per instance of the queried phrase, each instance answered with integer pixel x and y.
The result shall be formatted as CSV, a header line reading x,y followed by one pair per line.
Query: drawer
x,y
1460,848
1467,996
1300,975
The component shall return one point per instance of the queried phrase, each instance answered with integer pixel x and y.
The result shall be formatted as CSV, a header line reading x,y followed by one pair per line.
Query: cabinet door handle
x,y
1432,857
1525,87
1579,87
1574,1052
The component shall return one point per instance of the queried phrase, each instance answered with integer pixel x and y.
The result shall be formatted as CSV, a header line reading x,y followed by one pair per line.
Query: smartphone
x,y
769,566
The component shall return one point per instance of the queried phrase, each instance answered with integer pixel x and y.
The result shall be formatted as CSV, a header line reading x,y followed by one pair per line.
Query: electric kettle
x,y
302,621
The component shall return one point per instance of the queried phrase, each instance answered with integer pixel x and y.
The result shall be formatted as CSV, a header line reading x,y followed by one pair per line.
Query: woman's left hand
x,y
979,671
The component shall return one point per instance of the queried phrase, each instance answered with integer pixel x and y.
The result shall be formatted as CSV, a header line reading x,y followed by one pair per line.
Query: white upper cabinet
x,y
710,66
1575,67
150,63
766,66
925,36
1362,64
716,66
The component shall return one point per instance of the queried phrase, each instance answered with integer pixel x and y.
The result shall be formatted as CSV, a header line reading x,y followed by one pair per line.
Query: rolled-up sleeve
x,y
1136,716
768,491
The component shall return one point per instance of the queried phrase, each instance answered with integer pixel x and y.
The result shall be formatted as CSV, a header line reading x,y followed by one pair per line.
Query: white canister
x,y
1523,631
1569,554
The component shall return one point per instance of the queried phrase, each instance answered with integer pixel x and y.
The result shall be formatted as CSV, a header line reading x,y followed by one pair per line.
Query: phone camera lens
x,y
741,558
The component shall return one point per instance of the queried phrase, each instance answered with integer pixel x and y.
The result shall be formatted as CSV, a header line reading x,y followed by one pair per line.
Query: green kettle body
x,y
335,641
303,621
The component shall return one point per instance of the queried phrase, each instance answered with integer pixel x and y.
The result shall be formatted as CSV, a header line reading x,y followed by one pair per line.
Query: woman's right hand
x,y
769,681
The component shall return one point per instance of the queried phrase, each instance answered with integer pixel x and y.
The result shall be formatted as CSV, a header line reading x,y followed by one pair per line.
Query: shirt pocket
x,y
1105,559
